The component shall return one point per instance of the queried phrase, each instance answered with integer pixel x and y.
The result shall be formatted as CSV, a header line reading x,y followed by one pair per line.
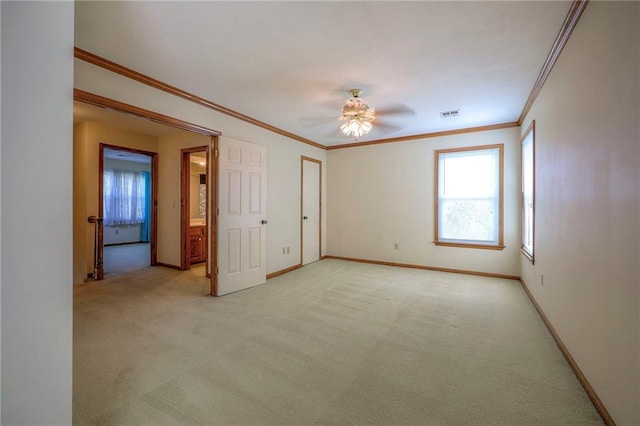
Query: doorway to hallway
x,y
127,190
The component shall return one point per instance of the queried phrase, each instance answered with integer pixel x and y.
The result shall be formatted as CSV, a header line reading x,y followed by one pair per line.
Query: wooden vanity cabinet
x,y
198,244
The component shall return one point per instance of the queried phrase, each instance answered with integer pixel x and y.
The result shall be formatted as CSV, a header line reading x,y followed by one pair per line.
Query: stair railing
x,y
98,247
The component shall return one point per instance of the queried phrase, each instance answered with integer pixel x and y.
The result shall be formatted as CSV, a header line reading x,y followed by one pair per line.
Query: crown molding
x,y
101,101
426,135
570,22
157,84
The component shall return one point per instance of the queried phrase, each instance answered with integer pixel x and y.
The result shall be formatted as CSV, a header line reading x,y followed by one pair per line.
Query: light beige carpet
x,y
126,258
332,343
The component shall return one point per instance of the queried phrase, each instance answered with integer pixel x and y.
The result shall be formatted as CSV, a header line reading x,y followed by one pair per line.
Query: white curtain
x,y
124,197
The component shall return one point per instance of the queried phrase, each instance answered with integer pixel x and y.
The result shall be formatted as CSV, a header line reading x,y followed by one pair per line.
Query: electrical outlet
x,y
395,246
284,250
542,279
288,250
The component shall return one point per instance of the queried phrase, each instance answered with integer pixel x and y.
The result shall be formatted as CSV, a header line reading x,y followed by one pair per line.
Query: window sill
x,y
468,245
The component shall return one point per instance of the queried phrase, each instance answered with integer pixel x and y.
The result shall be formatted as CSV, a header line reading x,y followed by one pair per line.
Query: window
x,y
528,191
469,201
124,197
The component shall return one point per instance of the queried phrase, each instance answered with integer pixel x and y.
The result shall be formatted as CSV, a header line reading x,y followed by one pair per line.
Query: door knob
x,y
264,222
305,217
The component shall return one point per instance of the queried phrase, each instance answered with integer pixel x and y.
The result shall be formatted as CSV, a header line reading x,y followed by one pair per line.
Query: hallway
x,y
125,258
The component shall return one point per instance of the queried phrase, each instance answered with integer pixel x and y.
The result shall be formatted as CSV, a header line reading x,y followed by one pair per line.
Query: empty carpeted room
x,y
350,213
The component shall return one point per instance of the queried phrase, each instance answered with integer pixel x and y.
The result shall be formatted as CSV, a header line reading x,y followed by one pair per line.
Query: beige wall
x,y
380,195
86,147
283,156
169,194
80,215
587,192
36,242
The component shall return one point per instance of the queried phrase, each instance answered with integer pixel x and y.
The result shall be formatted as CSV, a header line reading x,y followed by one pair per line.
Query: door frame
x,y
185,200
304,158
213,204
103,102
153,256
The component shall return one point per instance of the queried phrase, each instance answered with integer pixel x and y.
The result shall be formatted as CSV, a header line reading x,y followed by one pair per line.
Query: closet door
x,y
311,216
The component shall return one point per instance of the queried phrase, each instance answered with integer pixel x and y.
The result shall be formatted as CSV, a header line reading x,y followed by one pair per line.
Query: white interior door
x,y
311,216
242,202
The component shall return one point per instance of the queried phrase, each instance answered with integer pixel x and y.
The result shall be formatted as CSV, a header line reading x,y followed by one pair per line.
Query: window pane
x,y
528,178
469,196
470,175
469,219
124,196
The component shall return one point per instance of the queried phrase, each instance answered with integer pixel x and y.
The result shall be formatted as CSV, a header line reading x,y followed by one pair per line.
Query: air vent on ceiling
x,y
452,113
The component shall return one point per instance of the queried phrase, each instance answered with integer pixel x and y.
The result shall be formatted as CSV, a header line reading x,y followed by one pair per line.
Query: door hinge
x,y
217,270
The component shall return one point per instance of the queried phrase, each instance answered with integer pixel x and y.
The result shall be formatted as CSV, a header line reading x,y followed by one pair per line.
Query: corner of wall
x,y
37,306
79,202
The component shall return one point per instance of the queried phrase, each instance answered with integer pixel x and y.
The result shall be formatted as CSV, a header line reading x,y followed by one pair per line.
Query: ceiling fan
x,y
358,117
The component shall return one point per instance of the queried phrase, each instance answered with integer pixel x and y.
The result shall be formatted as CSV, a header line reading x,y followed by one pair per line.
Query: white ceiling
x,y
290,64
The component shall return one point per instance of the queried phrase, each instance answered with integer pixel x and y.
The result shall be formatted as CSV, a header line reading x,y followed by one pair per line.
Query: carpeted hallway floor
x,y
332,343
126,258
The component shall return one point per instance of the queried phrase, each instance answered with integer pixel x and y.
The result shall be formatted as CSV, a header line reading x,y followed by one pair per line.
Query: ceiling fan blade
x,y
333,105
335,133
316,121
385,127
395,109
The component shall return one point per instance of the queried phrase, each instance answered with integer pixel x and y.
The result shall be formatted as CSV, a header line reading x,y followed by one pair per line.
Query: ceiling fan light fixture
x,y
357,116
356,128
